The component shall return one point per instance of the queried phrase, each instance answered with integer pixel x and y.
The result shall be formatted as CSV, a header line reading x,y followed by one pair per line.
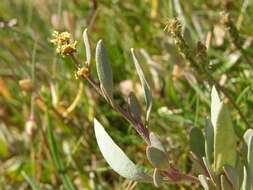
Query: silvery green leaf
x,y
104,70
209,140
225,184
224,140
250,157
134,107
197,165
248,139
157,158
246,185
157,178
204,182
215,106
224,150
87,46
155,142
209,169
116,158
232,176
144,83
247,135
197,142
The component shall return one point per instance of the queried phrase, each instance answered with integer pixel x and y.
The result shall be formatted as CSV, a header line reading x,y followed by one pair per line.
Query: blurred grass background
x,y
55,101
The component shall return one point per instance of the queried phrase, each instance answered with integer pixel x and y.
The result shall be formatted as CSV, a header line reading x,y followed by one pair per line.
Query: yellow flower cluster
x,y
82,72
63,43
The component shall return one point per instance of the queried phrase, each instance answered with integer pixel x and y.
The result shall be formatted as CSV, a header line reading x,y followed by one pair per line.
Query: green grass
x,y
30,162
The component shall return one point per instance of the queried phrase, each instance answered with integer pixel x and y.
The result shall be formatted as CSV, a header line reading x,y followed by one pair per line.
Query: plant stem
x,y
139,127
176,176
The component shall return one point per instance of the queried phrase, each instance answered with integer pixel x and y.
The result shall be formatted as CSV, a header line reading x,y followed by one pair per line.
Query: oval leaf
x,y
197,142
157,158
232,176
225,185
134,107
104,70
116,158
224,135
224,140
144,83
155,142
87,47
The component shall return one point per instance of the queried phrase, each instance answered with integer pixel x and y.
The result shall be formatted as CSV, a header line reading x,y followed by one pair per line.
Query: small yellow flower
x,y
82,72
64,45
68,49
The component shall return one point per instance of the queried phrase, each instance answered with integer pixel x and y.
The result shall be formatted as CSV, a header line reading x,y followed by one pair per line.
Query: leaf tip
x,y
85,32
215,94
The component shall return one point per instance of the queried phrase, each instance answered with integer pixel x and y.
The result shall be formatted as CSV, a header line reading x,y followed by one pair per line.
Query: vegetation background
x,y
44,107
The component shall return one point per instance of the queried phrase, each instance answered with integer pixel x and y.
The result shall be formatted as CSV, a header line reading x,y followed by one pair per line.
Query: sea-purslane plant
x,y
221,162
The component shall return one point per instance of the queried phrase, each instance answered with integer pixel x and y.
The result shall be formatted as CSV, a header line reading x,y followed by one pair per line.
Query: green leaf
x,y
247,135
155,142
225,184
248,139
144,83
246,185
197,142
157,158
224,135
197,165
215,106
134,106
157,178
224,140
104,70
116,158
87,46
232,176
209,137
30,181
4,150
208,169
67,183
204,182
250,158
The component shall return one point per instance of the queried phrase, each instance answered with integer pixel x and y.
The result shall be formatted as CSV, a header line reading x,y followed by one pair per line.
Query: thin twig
x,y
138,125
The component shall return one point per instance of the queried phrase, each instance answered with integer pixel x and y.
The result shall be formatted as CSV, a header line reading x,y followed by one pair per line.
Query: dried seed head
x,y
174,27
